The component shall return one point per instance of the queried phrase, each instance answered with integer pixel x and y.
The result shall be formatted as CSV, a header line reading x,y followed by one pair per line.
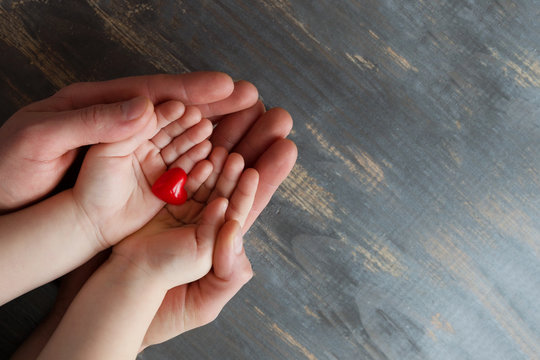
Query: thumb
x,y
102,123
228,247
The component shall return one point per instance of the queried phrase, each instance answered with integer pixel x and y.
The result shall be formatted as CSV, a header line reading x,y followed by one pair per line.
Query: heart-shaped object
x,y
170,186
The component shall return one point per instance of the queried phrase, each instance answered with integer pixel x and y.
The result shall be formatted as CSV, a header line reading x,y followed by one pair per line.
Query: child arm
x,y
42,242
109,316
125,296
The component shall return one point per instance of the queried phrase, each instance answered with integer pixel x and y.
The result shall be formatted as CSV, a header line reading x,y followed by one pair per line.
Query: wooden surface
x,y
410,226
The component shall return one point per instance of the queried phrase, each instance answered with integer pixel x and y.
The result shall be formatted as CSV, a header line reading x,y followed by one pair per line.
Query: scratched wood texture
x,y
410,226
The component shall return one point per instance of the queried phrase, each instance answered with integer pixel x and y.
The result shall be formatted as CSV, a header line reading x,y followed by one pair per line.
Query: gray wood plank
x,y
410,227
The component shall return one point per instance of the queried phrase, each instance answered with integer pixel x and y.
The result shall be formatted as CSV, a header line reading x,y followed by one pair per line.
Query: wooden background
x,y
410,226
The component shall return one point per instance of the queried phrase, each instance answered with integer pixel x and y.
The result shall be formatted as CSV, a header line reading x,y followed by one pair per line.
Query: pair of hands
x,y
243,126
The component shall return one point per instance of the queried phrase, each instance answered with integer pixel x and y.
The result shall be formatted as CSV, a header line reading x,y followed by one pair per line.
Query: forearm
x,y
41,243
109,316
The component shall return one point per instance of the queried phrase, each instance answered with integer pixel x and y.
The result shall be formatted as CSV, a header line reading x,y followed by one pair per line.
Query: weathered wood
x,y
410,227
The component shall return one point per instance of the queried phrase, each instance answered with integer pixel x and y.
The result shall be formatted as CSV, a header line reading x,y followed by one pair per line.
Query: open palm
x,y
178,246
114,185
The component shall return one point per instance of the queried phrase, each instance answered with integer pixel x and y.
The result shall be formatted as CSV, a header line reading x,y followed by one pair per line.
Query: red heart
x,y
170,186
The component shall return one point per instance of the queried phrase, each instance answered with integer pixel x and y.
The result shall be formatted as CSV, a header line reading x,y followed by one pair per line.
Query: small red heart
x,y
170,186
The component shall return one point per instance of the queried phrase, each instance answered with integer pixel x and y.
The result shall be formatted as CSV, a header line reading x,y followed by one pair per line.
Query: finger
x,y
243,96
197,153
231,128
168,112
149,157
212,218
130,145
182,143
228,246
96,124
272,125
198,176
273,167
241,201
206,298
217,158
190,117
229,177
191,89
191,209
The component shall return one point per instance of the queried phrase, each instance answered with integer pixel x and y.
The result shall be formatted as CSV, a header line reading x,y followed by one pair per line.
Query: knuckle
x,y
91,116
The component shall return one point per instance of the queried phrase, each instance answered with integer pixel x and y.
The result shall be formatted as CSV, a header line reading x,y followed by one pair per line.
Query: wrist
x,y
126,272
92,232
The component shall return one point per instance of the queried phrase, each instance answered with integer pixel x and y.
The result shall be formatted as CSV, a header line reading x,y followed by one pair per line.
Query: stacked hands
x,y
171,268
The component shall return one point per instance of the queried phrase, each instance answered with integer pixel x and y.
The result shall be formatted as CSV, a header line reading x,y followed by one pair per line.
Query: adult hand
x,y
36,149
259,137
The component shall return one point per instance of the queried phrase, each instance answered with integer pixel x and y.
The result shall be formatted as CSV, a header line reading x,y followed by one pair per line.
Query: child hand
x,y
182,243
176,247
113,189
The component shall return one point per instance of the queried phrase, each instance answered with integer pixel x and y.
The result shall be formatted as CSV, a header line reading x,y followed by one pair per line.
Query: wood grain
x,y
410,226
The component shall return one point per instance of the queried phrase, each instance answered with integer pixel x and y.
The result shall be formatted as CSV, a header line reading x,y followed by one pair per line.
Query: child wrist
x,y
134,274
92,231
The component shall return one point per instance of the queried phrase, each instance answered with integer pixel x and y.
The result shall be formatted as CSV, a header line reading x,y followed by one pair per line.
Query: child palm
x,y
176,246
113,188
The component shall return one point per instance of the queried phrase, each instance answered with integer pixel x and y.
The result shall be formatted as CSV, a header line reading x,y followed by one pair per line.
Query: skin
x,y
243,126
123,298
111,199
41,141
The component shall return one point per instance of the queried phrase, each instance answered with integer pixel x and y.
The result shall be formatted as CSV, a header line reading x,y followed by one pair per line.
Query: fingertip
x,y
252,173
236,160
288,147
170,111
251,178
148,105
218,156
259,105
198,175
281,119
222,79
193,114
279,157
206,127
219,205
138,113
205,168
134,108
208,86
229,245
246,92
230,229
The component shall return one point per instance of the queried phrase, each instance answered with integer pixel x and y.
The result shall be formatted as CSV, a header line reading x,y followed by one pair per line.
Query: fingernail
x,y
134,108
238,243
